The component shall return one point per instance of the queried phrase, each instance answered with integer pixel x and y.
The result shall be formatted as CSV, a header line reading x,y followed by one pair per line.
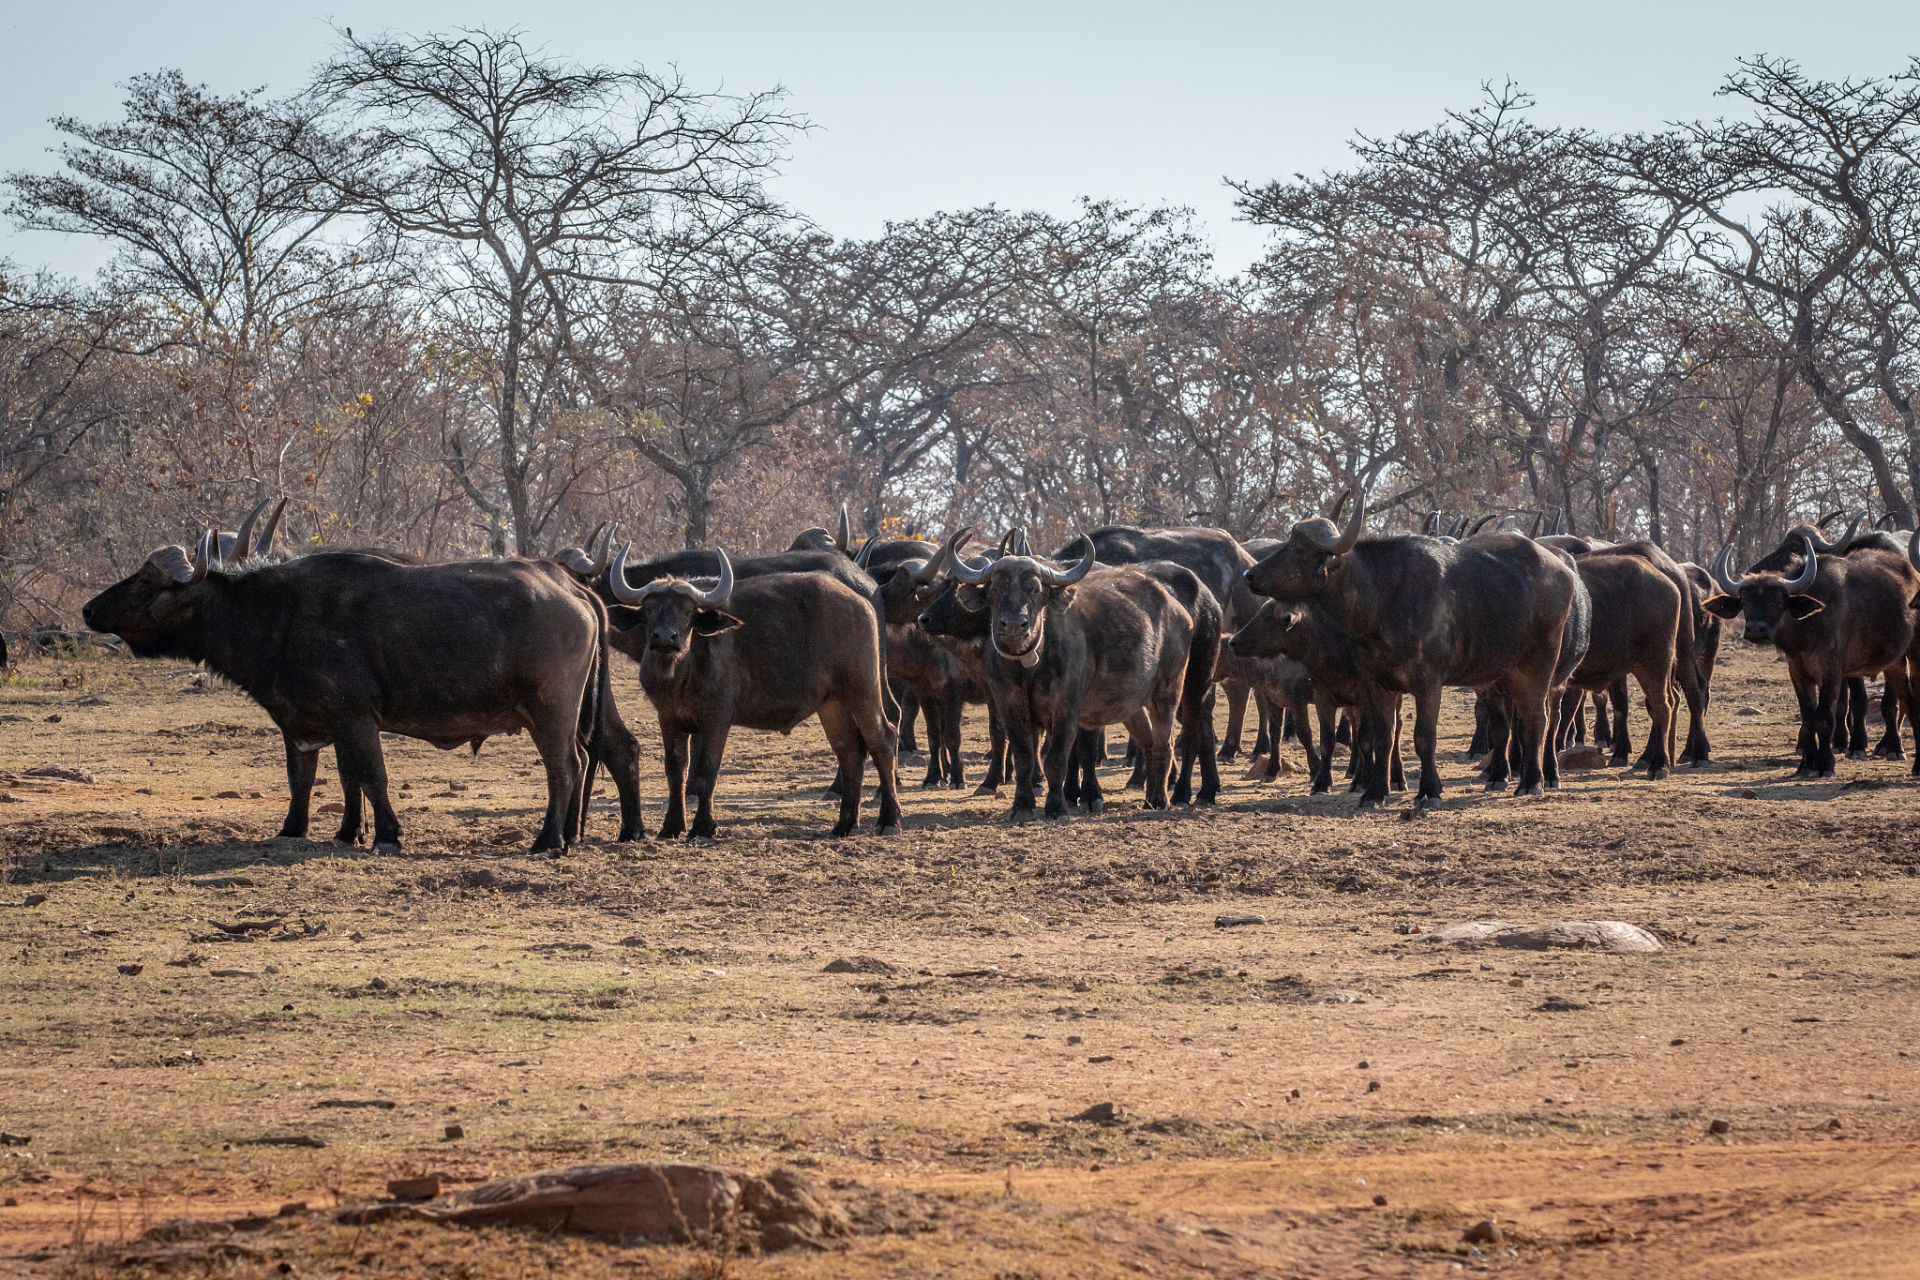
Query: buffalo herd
x,y
1328,628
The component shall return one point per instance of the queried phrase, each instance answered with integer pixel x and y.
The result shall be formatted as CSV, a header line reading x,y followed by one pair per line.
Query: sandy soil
x,y
670,1001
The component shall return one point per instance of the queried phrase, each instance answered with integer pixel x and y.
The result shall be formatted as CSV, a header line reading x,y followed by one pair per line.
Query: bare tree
x,y
532,178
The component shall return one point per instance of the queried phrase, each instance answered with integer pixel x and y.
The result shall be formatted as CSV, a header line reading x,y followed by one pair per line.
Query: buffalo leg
x,y
703,772
623,763
935,715
1023,761
352,810
1375,706
673,750
845,740
1910,698
556,736
1529,702
1857,718
909,701
1891,705
1619,731
1236,690
1397,776
996,754
1058,747
1657,687
1499,757
300,770
1088,744
1077,766
1604,725
1478,747
1325,712
1267,737
357,747
952,716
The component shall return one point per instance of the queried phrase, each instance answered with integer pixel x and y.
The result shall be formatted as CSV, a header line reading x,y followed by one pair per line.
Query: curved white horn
x,y
846,529
1808,571
1067,577
1821,544
617,578
1722,576
962,571
240,539
722,590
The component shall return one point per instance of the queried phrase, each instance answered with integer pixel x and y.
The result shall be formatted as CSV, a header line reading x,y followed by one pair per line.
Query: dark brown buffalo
x,y
1212,555
1077,648
1837,616
1850,713
963,633
1489,612
1302,632
339,647
1636,631
762,653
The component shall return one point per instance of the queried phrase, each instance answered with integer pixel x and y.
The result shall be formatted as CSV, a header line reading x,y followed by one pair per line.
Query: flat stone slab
x,y
1575,935
644,1203
1583,935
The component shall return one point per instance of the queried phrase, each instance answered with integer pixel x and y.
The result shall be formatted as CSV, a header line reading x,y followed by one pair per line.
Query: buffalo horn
x,y
929,570
1504,522
1351,535
1913,550
1808,571
846,529
722,590
617,578
1021,547
962,570
1558,517
1006,540
1885,522
1830,517
1480,524
1821,544
1067,577
1722,576
239,552
1430,525
1339,504
866,551
1538,516
203,553
1458,526
602,550
263,544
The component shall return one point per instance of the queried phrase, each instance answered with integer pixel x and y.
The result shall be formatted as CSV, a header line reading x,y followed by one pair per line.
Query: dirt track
x,y
669,1001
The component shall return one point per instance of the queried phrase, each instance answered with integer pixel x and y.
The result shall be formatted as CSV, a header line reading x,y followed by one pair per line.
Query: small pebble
x,y
455,1132
1379,1200
1720,1126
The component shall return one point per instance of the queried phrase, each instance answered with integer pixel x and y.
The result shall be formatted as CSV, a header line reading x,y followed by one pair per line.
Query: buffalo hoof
x,y
1535,790
1553,784
1096,805
931,784
840,832
1368,804
1859,753
1656,775
1227,753
891,829
1891,753
386,846
1428,804
1496,786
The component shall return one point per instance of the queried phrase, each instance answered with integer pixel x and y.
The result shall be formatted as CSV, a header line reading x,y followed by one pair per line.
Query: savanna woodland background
x,y
456,295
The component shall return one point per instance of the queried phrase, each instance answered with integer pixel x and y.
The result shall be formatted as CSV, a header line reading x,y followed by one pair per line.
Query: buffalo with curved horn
x,y
1488,612
1835,618
761,653
1081,647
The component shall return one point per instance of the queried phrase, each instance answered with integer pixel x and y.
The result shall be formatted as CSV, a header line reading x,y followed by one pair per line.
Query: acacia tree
x,y
535,181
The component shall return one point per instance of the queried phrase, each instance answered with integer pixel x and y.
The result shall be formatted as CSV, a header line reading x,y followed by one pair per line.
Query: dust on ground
x,y
670,1001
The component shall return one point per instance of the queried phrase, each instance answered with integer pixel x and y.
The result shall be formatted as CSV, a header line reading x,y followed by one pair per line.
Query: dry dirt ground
x,y
670,1001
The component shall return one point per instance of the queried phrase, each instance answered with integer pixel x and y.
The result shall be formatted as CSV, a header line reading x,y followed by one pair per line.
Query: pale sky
x,y
920,108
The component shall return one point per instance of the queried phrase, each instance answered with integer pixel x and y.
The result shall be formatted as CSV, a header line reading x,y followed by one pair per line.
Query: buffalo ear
x,y
971,595
1063,596
1723,606
1804,606
711,622
624,617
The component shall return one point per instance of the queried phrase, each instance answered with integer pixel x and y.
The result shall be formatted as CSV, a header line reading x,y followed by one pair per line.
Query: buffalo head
x,y
1016,592
1272,632
1767,599
668,612
153,608
1298,566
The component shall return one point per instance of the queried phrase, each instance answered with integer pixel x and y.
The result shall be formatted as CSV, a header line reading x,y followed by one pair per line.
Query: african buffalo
x,y
1080,648
1836,617
1490,611
761,653
338,647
